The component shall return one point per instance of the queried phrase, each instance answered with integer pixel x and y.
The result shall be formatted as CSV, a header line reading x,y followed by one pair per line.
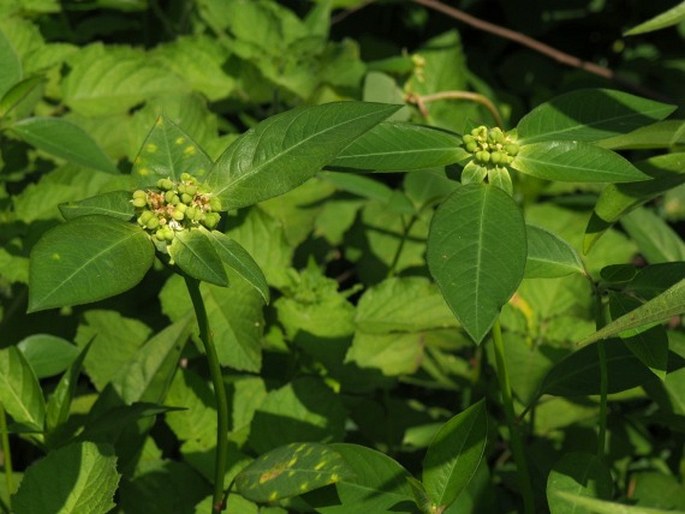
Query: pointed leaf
x,y
17,93
291,470
10,65
168,151
574,161
589,115
20,392
581,474
657,241
67,480
289,148
233,255
660,308
672,16
550,256
115,204
85,260
59,402
63,139
662,134
477,253
454,455
193,252
47,355
391,146
606,507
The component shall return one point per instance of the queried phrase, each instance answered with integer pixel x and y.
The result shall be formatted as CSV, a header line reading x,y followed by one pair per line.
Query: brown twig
x,y
421,100
540,47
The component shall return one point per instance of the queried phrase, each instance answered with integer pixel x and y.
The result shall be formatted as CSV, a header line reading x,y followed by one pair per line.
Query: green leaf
x,y
650,346
662,134
550,256
659,490
85,260
477,254
47,355
657,241
615,200
360,185
63,139
454,455
17,93
148,375
589,115
287,149
20,392
378,484
574,161
660,308
291,470
115,204
402,304
66,481
233,255
581,474
605,507
193,252
10,65
399,353
394,146
235,317
672,16
59,403
168,151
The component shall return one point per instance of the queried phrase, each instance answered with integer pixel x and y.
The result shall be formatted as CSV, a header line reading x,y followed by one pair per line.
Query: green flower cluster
x,y
492,151
175,206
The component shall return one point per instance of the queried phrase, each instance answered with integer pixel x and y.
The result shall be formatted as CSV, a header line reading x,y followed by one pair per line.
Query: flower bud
x,y
186,198
211,220
472,147
187,177
139,193
152,223
145,216
178,215
171,197
165,184
215,203
511,148
139,202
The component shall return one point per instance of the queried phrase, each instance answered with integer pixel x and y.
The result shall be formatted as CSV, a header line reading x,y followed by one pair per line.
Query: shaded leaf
x,y
193,252
20,392
59,403
607,507
581,474
115,204
47,355
10,65
549,256
17,92
87,259
657,241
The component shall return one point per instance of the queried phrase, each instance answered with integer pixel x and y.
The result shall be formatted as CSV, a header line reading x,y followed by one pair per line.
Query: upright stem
x,y
406,228
600,321
6,454
514,435
193,286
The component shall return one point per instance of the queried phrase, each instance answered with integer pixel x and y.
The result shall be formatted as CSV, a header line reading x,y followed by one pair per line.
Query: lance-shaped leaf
x,y
233,255
391,146
63,139
655,238
660,308
454,455
550,256
596,506
574,161
116,204
615,200
477,253
291,470
168,151
66,480
662,134
673,16
193,252
59,403
589,115
577,473
17,93
285,150
85,260
20,392
11,65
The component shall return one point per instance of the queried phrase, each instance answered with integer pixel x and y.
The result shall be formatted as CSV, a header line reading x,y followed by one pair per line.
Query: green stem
x,y
405,234
6,454
600,321
514,435
193,286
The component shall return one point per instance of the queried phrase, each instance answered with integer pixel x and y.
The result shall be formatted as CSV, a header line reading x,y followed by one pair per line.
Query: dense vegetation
x,y
341,256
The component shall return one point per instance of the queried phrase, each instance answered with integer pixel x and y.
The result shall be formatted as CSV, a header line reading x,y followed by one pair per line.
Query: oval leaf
x,y
20,392
477,253
116,204
285,150
47,355
85,260
233,255
573,161
11,65
581,474
65,481
64,139
394,146
291,470
549,256
17,93
168,151
589,115
193,252
454,455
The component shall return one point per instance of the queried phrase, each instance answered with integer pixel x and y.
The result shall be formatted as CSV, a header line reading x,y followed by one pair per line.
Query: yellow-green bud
x,y
512,149
152,223
177,215
215,203
211,220
165,184
171,197
191,189
145,216
472,146
139,193
186,198
187,177
181,207
468,139
483,156
192,213
496,157
139,202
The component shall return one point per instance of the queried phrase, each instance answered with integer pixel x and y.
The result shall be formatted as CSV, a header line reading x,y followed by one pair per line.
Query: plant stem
x,y
6,453
406,228
600,321
193,286
514,435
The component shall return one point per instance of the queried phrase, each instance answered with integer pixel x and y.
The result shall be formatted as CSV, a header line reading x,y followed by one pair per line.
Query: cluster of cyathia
x,y
175,206
492,151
